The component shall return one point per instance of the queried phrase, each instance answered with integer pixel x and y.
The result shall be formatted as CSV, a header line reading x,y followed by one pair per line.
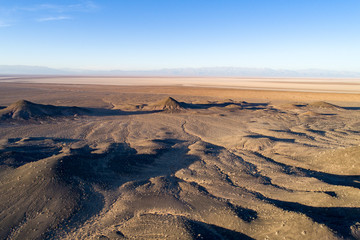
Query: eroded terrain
x,y
145,166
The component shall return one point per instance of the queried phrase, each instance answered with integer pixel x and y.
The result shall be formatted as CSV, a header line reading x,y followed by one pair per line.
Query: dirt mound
x,y
28,110
310,113
321,104
233,107
40,201
168,104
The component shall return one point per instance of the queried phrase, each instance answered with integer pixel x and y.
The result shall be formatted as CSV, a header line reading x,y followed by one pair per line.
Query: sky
x,y
156,34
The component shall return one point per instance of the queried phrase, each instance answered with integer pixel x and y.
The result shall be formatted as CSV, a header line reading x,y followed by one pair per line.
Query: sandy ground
x,y
217,164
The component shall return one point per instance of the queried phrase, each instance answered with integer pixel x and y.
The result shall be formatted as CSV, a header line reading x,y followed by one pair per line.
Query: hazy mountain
x,y
209,71
21,69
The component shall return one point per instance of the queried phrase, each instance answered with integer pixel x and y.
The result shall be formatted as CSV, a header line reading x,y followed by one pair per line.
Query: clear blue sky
x,y
153,34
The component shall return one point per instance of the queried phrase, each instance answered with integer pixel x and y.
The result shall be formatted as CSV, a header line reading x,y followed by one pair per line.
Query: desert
x,y
179,161
179,119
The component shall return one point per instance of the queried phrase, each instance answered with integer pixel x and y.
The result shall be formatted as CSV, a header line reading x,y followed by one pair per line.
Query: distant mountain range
x,y
195,72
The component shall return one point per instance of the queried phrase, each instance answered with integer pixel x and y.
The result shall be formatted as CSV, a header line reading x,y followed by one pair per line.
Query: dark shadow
x,y
210,105
300,105
243,104
320,132
56,140
257,106
17,156
246,214
287,140
331,193
115,112
352,131
328,114
119,162
294,133
351,108
12,140
29,150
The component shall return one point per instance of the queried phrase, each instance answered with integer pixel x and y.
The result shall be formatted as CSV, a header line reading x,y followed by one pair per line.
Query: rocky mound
x,y
168,104
40,201
28,110
310,113
322,104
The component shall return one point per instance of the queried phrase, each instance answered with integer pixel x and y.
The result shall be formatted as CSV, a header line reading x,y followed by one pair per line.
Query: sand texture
x,y
112,162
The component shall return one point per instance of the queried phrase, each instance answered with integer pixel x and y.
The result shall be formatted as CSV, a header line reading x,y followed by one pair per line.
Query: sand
x,y
166,162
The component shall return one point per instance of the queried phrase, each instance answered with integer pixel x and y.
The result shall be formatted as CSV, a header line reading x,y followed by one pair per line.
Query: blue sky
x,y
153,34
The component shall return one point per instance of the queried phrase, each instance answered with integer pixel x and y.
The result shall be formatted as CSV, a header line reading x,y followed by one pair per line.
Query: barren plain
x,y
178,162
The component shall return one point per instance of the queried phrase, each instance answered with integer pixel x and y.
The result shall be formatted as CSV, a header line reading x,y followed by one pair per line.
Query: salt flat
x,y
335,85
179,162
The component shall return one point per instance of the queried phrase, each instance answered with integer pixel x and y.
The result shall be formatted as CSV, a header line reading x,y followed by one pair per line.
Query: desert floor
x,y
218,163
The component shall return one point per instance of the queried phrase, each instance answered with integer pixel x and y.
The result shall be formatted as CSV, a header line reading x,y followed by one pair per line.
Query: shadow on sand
x,y
115,112
243,105
20,151
351,108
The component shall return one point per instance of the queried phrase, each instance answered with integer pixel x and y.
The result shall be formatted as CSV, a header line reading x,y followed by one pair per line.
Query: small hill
x,y
168,104
310,113
39,201
25,110
322,104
